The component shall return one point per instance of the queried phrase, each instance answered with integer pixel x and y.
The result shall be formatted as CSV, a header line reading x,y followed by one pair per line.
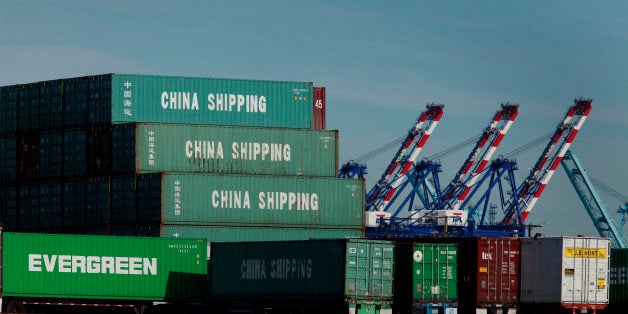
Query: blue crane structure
x,y
593,203
408,200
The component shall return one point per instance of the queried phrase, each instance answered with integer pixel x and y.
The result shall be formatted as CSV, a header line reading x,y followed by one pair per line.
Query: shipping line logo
x,y
176,100
201,149
266,200
119,265
585,252
280,268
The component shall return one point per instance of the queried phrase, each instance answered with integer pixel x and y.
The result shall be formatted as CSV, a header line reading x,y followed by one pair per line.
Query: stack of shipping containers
x,y
221,159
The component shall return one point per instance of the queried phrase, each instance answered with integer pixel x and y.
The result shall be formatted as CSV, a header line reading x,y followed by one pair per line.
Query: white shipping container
x,y
571,271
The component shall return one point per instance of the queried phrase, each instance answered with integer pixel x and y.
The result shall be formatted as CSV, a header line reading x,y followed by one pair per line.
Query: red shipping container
x,y
320,108
497,271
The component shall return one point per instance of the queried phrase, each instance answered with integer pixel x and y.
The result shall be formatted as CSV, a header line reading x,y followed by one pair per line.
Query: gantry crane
x,y
385,203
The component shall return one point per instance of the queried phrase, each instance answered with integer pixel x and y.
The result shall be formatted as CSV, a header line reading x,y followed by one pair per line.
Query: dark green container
x,y
103,267
345,269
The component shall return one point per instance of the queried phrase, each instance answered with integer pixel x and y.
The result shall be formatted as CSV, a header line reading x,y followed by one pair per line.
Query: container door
x,y
498,269
435,270
369,269
585,265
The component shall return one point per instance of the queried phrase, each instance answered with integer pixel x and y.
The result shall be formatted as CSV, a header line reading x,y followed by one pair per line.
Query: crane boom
x,y
463,180
531,189
395,174
602,220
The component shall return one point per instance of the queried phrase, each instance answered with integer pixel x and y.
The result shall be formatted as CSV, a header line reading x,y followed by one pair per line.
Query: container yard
x,y
235,188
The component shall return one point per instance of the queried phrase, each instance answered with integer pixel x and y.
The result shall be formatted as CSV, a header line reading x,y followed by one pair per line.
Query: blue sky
x,y
381,62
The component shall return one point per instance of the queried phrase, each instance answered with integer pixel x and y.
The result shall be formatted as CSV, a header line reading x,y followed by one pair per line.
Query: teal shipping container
x,y
234,233
228,149
262,200
296,275
57,266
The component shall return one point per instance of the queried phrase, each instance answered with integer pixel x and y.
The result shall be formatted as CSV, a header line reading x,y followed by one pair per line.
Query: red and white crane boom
x,y
404,159
532,188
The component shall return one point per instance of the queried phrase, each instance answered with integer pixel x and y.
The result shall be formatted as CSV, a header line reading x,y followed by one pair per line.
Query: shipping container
x,y
51,104
123,98
8,205
426,277
565,272
8,158
85,204
55,268
8,108
487,274
320,108
236,233
618,281
326,276
227,149
262,200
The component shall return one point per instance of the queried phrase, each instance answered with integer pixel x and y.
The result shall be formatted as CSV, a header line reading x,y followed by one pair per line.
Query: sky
x,y
381,63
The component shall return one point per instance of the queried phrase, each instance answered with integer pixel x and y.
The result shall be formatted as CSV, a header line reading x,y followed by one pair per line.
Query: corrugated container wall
x,y
565,270
99,204
314,207
234,233
149,148
103,267
425,273
320,108
351,269
618,285
262,200
226,149
122,98
141,98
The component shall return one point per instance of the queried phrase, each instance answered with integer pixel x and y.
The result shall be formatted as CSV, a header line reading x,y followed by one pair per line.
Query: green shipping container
x,y
238,233
103,267
262,200
227,149
435,270
426,276
346,269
